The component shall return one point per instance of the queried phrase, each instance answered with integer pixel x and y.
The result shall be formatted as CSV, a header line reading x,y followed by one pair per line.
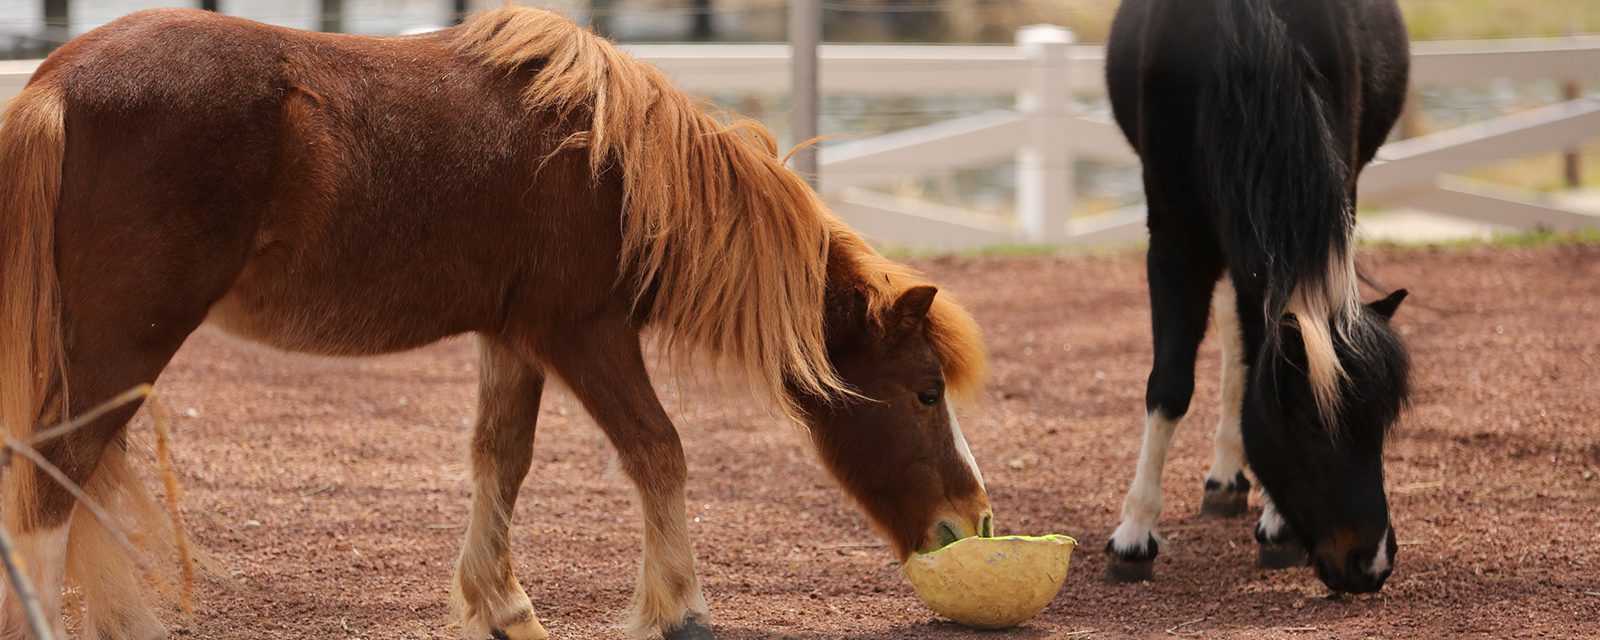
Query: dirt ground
x,y
333,491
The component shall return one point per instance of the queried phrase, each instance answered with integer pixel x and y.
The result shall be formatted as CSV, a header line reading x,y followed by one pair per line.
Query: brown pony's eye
x,y
929,397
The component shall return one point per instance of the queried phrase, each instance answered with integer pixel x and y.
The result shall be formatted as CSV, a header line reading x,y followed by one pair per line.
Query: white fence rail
x,y
1047,133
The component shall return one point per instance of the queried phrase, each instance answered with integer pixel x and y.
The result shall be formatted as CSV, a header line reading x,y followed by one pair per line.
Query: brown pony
x,y
515,177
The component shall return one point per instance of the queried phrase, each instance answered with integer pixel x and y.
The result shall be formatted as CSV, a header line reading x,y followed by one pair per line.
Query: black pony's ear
x,y
911,309
1387,306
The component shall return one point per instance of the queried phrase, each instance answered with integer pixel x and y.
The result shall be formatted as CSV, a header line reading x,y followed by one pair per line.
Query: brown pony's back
x,y
355,246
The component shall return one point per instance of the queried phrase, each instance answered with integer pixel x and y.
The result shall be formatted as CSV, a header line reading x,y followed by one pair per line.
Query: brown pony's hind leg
x,y
53,536
605,369
135,281
116,606
491,602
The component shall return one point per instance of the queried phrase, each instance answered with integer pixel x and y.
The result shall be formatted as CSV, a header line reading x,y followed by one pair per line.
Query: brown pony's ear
x,y
1387,306
911,309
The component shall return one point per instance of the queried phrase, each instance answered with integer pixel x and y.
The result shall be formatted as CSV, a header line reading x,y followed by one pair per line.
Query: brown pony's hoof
x,y
525,630
1120,571
1224,503
692,629
1281,555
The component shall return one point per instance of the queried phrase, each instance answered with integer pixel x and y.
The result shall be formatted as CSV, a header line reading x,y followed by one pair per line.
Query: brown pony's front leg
x,y
604,367
491,601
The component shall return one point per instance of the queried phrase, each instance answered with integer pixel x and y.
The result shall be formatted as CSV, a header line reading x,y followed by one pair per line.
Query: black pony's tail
x,y
1282,187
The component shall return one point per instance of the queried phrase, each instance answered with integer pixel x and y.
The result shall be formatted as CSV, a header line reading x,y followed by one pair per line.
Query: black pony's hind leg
x,y
1227,491
1277,546
1184,264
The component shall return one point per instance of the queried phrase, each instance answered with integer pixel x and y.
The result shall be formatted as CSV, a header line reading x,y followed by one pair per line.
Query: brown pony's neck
x,y
726,242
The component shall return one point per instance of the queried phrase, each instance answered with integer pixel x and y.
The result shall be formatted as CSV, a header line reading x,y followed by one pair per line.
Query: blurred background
x,y
1493,62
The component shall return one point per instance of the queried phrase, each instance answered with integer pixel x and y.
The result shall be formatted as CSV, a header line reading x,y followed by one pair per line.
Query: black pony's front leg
x,y
1183,264
1277,548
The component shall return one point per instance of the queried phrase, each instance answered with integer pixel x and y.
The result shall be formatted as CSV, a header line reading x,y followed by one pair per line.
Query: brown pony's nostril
x,y
947,534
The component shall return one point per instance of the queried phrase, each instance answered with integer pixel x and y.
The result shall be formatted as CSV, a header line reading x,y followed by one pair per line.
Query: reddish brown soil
x,y
333,490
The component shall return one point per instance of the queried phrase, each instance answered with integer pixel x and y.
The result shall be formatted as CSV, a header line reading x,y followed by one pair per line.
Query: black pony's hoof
x,y
1226,500
1281,555
1224,503
1132,565
692,629
1119,571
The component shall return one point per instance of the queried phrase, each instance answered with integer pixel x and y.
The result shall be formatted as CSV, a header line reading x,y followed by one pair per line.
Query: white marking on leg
x,y
962,448
488,596
1228,446
1143,505
668,589
1380,560
1272,523
486,589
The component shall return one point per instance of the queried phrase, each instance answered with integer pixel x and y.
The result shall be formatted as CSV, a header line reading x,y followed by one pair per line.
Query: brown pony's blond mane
x,y
732,244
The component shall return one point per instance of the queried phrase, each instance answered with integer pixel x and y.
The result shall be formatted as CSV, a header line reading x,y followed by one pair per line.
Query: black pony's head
x,y
1327,479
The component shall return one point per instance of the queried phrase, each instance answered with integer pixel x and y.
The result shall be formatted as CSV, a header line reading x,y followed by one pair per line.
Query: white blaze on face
x,y
1380,561
962,448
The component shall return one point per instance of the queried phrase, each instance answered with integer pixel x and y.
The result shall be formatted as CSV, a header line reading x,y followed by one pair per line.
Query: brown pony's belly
x,y
348,310
339,331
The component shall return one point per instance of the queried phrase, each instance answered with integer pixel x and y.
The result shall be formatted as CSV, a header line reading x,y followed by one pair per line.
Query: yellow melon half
x,y
992,583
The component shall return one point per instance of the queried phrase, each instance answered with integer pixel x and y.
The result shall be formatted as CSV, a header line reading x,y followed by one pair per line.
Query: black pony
x,y
1253,119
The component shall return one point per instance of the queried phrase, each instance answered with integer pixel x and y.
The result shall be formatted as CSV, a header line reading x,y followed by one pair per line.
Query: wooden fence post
x,y
57,27
600,16
331,19
1572,160
1045,193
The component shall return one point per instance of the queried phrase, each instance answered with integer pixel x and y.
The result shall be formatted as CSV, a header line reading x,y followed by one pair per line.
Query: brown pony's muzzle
x,y
960,519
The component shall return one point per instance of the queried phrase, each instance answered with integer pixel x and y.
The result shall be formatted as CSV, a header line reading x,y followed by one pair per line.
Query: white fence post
x,y
1044,164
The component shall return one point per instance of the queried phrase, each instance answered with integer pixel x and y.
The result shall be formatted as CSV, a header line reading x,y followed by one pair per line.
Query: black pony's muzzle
x,y
1360,570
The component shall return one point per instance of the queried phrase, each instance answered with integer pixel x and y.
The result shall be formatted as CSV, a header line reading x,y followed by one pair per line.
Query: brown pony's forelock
x,y
729,246
954,333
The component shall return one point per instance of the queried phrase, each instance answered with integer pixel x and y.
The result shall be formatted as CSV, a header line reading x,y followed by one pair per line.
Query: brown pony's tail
x,y
32,147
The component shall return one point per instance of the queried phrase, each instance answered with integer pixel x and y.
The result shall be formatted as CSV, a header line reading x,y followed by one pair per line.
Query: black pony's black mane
x,y
1270,160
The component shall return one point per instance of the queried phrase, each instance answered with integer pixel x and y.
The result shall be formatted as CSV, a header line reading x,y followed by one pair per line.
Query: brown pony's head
x,y
894,444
